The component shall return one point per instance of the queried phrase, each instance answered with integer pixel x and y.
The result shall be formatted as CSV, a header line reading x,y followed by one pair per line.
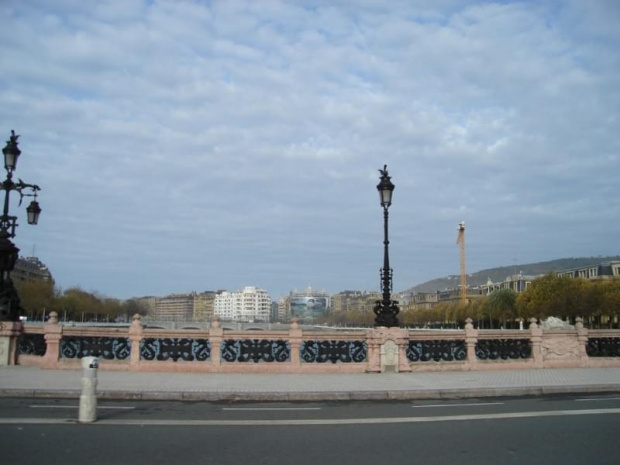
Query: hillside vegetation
x,y
501,273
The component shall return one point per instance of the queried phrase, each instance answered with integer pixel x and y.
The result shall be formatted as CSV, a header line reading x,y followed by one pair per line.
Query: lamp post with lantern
x,y
9,298
386,309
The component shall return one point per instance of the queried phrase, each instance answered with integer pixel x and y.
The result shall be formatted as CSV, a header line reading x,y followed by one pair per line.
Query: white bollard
x,y
88,399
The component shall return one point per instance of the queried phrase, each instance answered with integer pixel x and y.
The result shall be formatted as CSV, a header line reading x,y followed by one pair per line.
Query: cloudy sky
x,y
200,145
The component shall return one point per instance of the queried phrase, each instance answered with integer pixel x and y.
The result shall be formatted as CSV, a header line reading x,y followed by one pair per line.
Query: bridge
x,y
206,325
226,347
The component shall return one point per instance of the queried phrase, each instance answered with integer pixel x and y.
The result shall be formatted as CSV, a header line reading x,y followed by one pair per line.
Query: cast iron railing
x,y
603,347
175,349
109,348
436,350
255,350
333,351
494,349
32,344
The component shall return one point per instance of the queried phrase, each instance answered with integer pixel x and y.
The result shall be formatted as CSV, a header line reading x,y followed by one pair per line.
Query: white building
x,y
250,304
283,308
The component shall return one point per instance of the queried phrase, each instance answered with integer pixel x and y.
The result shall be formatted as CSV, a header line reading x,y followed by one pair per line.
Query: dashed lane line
x,y
76,406
458,405
266,409
594,399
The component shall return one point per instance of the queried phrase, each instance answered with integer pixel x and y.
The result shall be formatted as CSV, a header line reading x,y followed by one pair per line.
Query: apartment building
x,y
249,304
308,304
359,301
517,283
30,269
604,270
185,307
284,308
204,306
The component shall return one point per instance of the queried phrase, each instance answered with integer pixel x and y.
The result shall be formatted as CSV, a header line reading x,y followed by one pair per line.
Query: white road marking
x,y
596,398
76,406
263,409
458,405
337,421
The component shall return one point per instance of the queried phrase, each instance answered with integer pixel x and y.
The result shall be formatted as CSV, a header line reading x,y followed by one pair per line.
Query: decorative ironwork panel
x,y
32,344
109,348
493,349
255,350
175,349
436,350
603,347
333,351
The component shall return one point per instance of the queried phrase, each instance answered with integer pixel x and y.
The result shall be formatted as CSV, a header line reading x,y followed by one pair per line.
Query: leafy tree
x,y
350,317
477,310
132,306
80,305
37,297
111,308
503,302
610,299
562,297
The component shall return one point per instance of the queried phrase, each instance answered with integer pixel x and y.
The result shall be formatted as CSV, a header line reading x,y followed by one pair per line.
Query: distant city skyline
x,y
506,277
579,263
185,146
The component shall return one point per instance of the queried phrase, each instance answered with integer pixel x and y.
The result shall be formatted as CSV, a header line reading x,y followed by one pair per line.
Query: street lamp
x,y
9,299
386,309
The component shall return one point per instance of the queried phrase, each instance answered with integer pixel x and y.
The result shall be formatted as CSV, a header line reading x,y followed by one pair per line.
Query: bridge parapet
x,y
298,350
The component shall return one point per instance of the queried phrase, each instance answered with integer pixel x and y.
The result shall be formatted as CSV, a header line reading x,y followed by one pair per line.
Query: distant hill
x,y
501,273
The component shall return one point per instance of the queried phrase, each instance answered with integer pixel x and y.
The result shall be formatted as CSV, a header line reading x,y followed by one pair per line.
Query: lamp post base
x,y
9,298
10,304
386,312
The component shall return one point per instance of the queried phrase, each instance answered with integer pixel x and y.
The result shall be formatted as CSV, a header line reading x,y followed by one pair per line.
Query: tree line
x,y
597,302
40,298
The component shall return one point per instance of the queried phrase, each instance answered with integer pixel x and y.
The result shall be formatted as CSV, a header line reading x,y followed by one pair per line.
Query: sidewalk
x,y
17,381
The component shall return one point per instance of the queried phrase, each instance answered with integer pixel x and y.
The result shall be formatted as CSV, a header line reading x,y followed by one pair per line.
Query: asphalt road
x,y
552,430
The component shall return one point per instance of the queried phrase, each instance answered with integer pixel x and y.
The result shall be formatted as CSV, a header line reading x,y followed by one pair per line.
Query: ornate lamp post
x,y
386,309
9,299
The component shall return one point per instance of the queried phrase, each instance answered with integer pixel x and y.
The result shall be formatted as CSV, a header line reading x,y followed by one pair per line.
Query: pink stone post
x,y
53,335
295,337
374,352
471,339
402,340
582,336
9,340
216,334
536,339
136,331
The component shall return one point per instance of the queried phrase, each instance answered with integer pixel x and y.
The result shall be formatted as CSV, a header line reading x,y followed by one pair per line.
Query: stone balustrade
x,y
217,350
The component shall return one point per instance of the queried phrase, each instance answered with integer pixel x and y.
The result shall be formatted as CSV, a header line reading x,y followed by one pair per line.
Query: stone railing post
x,y
216,334
374,352
471,339
295,337
582,337
402,340
9,341
52,334
387,350
536,339
136,332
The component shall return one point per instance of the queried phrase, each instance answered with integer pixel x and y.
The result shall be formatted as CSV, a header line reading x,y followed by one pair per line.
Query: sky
x,y
201,145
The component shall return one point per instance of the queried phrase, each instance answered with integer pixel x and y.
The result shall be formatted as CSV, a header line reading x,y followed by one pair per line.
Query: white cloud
x,y
232,137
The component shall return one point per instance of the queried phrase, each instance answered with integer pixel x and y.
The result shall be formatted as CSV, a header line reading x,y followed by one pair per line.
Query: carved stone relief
x,y
389,357
557,348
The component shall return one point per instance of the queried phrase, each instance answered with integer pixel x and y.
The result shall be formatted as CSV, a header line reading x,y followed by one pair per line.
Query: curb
x,y
333,396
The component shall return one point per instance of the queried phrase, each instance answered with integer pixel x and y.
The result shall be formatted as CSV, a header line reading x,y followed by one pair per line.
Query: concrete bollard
x,y
88,399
